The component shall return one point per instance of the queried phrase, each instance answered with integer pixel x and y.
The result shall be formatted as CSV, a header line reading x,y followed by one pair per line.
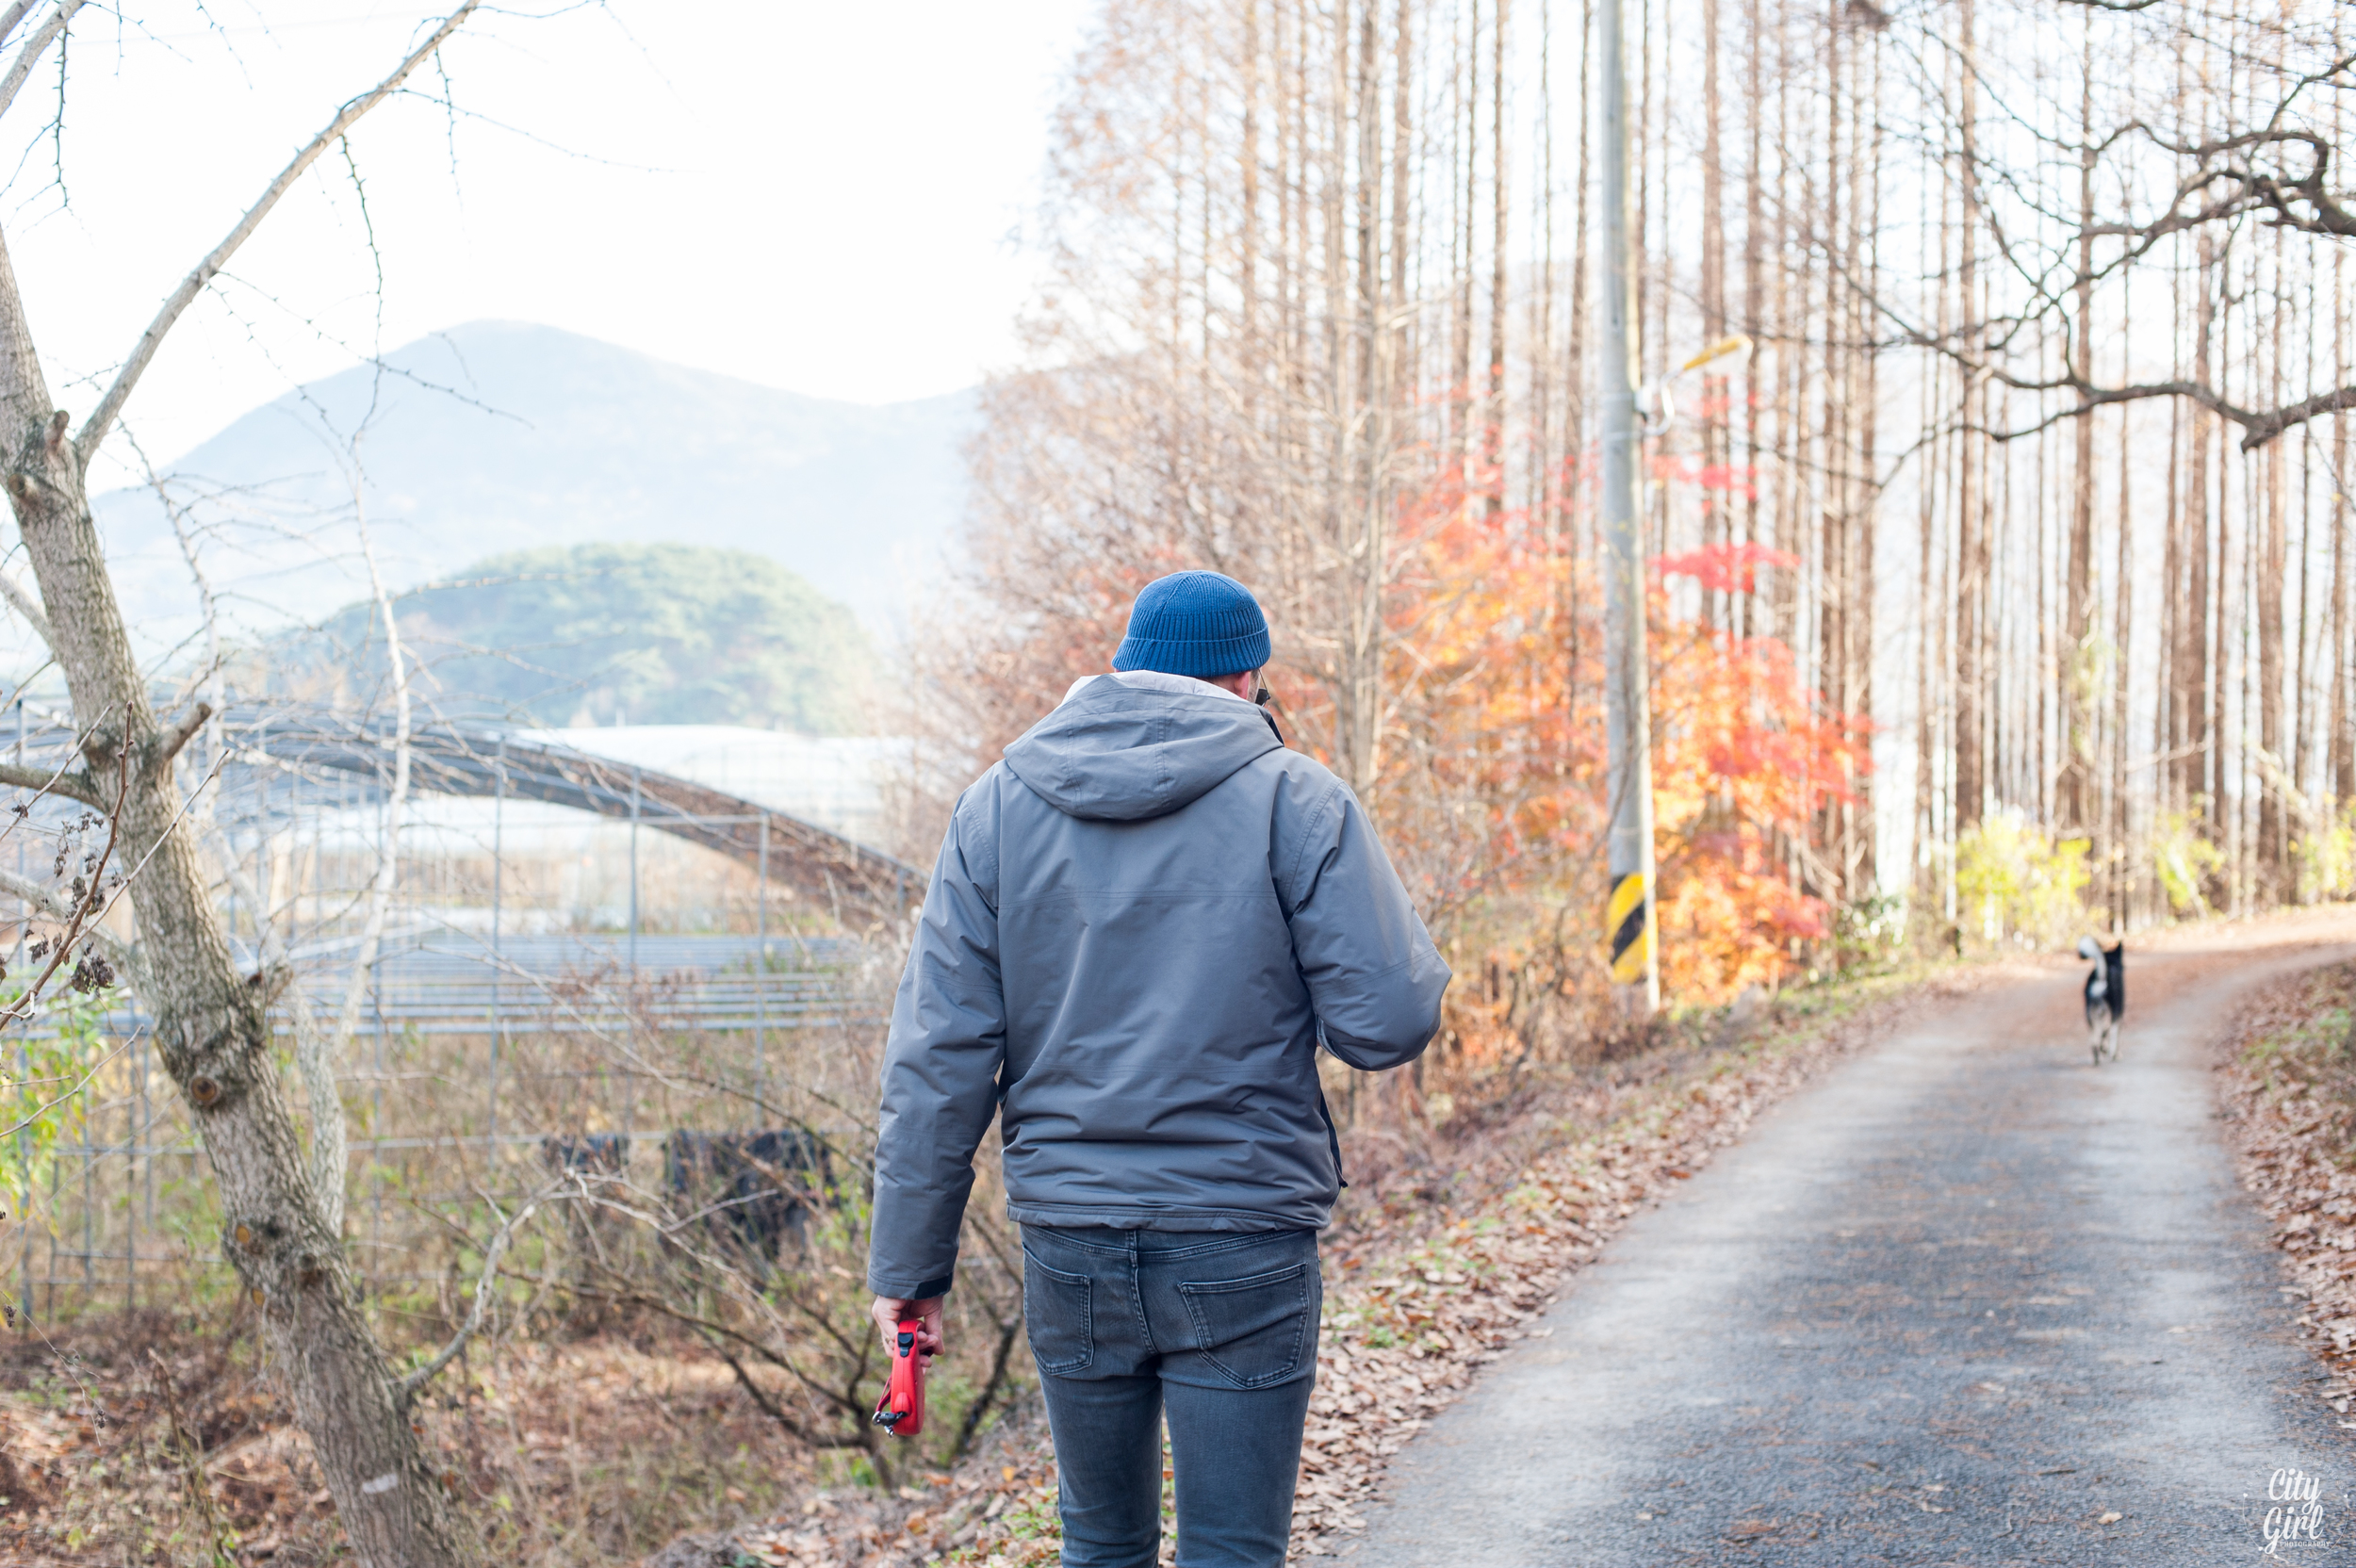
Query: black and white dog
x,y
2106,996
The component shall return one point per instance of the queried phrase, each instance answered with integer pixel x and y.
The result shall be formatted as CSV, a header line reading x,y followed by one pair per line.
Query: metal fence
x,y
546,975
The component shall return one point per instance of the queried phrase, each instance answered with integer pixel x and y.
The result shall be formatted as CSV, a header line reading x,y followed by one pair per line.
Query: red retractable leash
x,y
901,1411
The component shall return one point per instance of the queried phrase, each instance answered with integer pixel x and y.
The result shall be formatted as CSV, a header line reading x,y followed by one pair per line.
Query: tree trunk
x,y
2341,746
211,1025
1713,304
1460,295
2123,640
2273,857
1501,192
2192,660
2078,609
1863,868
1970,538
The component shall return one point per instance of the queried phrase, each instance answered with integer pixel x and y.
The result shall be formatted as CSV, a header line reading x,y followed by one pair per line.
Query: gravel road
x,y
1968,1301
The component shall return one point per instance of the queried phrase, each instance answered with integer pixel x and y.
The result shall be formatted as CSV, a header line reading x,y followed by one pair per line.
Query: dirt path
x,y
1967,1301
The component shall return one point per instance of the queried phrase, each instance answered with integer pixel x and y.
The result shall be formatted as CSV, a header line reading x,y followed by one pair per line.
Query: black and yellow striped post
x,y
1627,920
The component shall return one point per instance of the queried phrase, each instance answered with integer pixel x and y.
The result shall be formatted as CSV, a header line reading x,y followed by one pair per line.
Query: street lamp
x,y
1666,410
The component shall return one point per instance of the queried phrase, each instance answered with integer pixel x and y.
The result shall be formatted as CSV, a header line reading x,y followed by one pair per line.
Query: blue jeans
x,y
1218,1329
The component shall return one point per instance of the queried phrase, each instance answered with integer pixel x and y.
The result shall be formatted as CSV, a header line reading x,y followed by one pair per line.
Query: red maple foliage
x,y
1495,790
1745,757
1724,568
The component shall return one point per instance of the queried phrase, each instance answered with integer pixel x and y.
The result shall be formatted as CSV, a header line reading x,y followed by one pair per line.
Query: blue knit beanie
x,y
1194,623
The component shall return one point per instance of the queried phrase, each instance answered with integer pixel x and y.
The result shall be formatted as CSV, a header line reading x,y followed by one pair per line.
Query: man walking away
x,y
1144,923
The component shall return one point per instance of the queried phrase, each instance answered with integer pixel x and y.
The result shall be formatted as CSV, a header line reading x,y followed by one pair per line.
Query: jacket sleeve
x,y
941,1063
1374,977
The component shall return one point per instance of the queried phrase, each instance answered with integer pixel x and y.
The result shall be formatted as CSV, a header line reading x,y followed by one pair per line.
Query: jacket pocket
x,y
1332,1137
1254,1329
1057,1310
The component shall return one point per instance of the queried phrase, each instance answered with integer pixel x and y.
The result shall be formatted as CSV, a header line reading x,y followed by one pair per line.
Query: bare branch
x,y
73,786
407,1390
102,416
2259,424
14,14
2277,193
2263,428
123,955
34,46
774,1412
714,1330
178,811
396,800
178,517
171,740
991,1387
27,608
67,1098
85,909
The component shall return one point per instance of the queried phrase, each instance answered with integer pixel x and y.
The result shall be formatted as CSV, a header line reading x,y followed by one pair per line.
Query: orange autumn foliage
x,y
1744,758
1493,779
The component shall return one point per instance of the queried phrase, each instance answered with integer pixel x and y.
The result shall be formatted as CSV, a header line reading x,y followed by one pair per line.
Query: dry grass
x,y
591,1451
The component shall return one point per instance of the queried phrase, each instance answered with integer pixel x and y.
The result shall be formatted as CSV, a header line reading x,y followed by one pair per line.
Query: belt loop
x,y
1136,1294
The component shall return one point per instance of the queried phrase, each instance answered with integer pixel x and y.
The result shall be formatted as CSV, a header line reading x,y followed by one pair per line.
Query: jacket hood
x,y
1118,753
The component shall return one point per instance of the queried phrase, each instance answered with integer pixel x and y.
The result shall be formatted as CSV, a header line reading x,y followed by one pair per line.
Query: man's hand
x,y
889,1311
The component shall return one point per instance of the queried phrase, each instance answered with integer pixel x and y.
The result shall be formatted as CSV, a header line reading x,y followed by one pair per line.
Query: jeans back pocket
x,y
1057,1310
1254,1329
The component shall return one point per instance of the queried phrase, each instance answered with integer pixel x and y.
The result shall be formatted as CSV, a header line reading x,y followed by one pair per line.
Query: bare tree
x,y
212,1024
1965,206
2274,166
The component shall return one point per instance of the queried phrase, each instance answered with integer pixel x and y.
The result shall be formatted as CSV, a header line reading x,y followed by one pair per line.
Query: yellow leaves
x,y
2185,858
2011,880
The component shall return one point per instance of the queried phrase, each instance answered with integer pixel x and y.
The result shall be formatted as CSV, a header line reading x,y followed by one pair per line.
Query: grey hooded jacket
x,y
1142,924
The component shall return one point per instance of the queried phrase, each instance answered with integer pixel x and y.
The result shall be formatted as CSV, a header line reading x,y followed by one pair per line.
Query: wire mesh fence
x,y
549,979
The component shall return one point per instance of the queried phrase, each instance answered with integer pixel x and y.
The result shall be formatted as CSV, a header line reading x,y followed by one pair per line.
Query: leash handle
x,y
901,1411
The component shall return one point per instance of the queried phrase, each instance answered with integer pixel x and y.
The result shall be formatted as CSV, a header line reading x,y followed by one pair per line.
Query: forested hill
x,y
503,436
599,634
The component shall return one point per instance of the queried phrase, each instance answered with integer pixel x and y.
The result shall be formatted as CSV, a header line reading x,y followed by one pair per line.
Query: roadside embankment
x,y
2287,1078
1422,1292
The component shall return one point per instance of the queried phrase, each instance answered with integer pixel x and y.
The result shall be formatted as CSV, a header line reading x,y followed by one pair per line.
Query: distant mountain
x,y
597,634
502,436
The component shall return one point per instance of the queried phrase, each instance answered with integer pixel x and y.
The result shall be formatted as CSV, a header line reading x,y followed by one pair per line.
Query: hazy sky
x,y
822,197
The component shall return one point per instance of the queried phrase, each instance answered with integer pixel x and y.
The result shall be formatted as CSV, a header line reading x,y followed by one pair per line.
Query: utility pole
x,y
1628,914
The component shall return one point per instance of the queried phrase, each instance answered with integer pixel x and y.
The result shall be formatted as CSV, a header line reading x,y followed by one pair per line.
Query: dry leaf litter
x,y
2288,1081
1417,1304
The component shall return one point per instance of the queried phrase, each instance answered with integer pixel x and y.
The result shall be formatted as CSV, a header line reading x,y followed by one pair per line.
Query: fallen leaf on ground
x,y
2289,1088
